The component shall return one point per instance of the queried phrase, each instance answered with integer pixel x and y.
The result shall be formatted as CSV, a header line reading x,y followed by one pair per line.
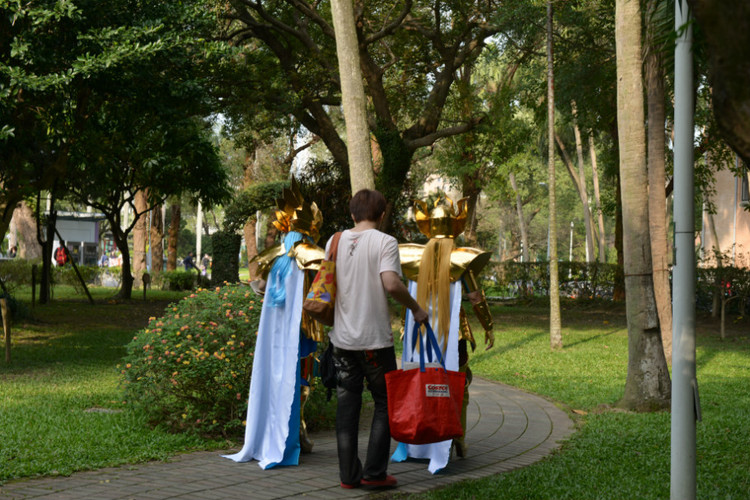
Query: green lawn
x,y
615,454
60,401
60,404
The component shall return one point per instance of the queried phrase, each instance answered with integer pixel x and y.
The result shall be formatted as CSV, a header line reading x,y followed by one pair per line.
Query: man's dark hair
x,y
367,204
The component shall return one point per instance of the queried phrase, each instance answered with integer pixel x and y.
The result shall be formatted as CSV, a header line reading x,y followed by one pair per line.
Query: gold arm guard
x,y
310,328
464,329
478,301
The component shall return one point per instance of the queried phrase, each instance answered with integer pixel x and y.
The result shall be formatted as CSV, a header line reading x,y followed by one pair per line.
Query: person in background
x,y
12,252
189,263
367,270
61,256
205,264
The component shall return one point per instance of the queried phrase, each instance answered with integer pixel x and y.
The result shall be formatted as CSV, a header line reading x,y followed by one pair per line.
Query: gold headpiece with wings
x,y
296,214
443,220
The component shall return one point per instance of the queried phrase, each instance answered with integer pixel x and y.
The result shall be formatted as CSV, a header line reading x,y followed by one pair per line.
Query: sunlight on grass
x,y
61,407
614,454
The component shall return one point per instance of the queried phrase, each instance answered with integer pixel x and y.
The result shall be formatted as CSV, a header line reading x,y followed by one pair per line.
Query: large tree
x,y
656,147
353,96
410,55
725,26
121,164
647,386
52,55
555,322
66,68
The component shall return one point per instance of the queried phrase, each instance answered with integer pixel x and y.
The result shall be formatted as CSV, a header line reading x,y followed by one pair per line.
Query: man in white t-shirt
x,y
367,269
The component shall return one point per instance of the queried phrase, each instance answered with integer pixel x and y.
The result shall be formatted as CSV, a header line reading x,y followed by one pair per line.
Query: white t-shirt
x,y
362,320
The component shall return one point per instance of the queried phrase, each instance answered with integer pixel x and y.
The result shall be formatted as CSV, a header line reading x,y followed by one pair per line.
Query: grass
x,y
60,404
60,401
614,454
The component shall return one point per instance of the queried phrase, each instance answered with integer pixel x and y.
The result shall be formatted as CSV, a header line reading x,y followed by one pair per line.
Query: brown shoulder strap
x,y
334,247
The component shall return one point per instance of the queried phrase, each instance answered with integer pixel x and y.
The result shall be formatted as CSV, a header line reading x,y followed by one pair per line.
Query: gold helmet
x,y
443,220
296,214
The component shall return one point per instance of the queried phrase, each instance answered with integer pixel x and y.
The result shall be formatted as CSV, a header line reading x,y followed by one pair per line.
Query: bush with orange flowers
x,y
190,368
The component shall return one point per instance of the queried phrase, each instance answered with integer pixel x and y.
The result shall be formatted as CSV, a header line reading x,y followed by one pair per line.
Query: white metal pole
x,y
684,383
198,233
735,208
570,252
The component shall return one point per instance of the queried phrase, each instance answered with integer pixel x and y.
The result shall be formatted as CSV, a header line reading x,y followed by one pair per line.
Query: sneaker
x,y
388,482
348,486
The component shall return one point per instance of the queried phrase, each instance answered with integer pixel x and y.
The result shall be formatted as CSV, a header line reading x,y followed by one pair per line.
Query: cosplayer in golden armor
x,y
287,338
438,272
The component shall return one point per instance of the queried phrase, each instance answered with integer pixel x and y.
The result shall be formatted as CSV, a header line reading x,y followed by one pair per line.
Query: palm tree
x,y
647,386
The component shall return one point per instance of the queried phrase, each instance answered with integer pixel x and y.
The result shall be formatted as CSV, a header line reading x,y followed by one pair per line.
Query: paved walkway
x,y
507,429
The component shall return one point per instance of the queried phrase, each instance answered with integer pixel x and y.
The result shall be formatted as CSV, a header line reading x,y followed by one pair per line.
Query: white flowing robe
x,y
437,453
273,409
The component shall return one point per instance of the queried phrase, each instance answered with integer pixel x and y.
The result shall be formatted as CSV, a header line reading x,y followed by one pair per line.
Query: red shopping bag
x,y
424,404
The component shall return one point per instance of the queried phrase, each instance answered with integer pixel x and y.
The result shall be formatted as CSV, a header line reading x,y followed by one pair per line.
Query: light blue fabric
x,y
437,453
273,410
275,291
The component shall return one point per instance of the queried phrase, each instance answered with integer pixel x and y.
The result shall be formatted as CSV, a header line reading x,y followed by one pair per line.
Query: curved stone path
x,y
506,429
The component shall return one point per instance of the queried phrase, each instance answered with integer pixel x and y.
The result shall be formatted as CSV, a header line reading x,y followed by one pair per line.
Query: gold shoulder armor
x,y
468,259
266,257
307,255
411,256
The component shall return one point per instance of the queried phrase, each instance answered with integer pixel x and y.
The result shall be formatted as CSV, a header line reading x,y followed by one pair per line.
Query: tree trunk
x,y
157,239
597,201
392,178
647,386
45,283
657,199
719,258
618,292
583,191
174,234
555,322
521,221
252,247
271,233
121,240
580,185
471,192
26,231
353,96
249,230
8,204
140,231
12,235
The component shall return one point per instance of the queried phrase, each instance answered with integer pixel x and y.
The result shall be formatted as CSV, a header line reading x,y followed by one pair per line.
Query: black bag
x,y
328,370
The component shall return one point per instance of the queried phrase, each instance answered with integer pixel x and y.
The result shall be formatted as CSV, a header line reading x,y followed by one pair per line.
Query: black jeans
x,y
352,369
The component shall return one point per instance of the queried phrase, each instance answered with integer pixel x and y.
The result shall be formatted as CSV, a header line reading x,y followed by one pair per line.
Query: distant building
x,y
81,232
729,228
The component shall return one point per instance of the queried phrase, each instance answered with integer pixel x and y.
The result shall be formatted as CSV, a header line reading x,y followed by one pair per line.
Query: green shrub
x,y
527,279
190,369
226,259
67,276
178,280
17,272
